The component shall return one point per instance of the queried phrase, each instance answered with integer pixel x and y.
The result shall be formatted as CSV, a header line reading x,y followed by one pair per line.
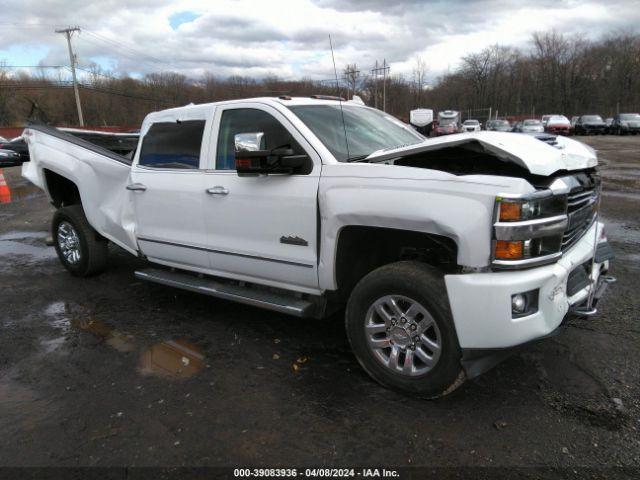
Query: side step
x,y
278,302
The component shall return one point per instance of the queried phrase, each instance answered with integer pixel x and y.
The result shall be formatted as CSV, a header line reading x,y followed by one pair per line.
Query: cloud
x,y
289,38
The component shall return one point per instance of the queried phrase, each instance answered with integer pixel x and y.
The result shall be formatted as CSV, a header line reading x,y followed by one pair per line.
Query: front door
x,y
262,228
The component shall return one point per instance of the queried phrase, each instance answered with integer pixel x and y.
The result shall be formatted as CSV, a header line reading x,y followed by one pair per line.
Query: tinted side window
x,y
173,145
249,120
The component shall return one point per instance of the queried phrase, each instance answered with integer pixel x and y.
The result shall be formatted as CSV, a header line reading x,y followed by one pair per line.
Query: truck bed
x,y
117,146
98,164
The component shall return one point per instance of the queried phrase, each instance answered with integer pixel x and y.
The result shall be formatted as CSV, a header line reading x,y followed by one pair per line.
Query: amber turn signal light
x,y
506,250
510,211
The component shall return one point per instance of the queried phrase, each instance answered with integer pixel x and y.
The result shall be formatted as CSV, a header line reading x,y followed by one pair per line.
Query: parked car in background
x,y
530,125
3,140
608,121
19,146
545,119
624,123
558,125
498,125
9,158
574,119
470,126
448,122
590,125
422,120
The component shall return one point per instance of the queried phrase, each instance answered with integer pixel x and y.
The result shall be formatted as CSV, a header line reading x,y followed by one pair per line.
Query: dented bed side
x,y
100,176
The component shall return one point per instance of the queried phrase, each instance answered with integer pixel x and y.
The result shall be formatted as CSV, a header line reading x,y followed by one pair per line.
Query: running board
x,y
278,302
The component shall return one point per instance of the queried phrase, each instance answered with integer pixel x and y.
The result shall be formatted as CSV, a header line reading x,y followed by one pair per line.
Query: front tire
x,y
81,250
400,327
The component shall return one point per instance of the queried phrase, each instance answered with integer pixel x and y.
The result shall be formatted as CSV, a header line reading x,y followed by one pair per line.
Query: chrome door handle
x,y
137,187
218,190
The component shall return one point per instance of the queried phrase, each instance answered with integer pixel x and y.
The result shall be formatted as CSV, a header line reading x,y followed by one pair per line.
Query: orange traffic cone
x,y
5,191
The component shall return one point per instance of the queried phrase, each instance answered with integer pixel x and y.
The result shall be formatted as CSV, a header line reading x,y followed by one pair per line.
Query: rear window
x,y
173,145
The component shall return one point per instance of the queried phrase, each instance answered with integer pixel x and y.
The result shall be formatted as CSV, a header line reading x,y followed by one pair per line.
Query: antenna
x,y
344,125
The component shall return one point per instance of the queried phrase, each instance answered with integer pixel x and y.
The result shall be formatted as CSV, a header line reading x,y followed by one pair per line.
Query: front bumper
x,y
590,130
559,130
481,302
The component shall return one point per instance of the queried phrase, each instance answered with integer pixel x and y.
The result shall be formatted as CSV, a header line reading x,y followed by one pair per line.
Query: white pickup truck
x,y
446,252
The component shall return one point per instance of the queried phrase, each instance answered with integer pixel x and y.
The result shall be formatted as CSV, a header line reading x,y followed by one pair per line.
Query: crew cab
x,y
443,253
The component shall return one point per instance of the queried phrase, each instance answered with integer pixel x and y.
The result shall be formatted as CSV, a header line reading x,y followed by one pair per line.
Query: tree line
x,y
555,73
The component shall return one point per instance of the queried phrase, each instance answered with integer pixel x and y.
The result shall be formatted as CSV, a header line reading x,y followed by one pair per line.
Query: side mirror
x,y
251,159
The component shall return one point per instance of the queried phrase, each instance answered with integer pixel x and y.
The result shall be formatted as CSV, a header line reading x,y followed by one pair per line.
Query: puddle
x,y
28,244
51,345
60,321
19,235
175,359
623,233
618,194
121,342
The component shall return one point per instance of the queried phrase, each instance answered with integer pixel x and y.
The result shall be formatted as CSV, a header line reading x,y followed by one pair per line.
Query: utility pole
x,y
384,85
384,68
72,58
351,76
375,77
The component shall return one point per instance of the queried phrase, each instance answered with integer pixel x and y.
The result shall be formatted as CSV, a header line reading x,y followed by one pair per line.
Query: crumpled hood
x,y
527,151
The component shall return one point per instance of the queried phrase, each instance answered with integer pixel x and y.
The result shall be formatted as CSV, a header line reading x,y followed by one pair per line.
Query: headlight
x,y
528,230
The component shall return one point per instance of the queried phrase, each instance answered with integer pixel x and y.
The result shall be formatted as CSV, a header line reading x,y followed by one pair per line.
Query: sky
x,y
288,38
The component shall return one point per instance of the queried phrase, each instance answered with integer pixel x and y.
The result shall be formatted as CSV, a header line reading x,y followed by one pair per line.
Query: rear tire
x,y
82,250
400,327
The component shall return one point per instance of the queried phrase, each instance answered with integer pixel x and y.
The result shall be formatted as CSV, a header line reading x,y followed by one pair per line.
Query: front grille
x,y
582,205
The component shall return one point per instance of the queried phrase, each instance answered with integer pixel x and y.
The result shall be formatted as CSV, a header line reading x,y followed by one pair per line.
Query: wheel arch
x,y
360,249
62,191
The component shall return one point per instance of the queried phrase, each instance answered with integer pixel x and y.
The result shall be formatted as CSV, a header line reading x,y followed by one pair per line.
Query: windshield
x,y
501,123
447,121
559,119
471,122
630,116
592,118
368,130
531,123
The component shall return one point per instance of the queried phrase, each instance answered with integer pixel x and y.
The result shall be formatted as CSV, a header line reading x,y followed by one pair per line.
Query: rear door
x,y
167,187
262,228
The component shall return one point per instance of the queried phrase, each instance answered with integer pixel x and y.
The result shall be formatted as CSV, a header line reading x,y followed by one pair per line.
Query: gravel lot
x,y
110,371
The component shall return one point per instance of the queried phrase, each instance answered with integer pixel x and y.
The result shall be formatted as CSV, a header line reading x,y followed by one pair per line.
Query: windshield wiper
x,y
357,158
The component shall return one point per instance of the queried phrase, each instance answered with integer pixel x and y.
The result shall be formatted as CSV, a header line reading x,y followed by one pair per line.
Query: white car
x,y
471,126
530,126
444,252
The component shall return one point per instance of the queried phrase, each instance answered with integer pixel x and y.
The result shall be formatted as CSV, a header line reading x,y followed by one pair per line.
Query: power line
x,y
67,85
128,51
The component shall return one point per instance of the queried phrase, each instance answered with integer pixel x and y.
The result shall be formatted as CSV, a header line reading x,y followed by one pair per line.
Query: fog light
x,y
518,303
524,304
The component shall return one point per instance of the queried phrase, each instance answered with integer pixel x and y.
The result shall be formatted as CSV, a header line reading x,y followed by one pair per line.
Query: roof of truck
x,y
203,110
283,100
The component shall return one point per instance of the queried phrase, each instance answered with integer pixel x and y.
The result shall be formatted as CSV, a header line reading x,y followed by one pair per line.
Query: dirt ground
x,y
111,371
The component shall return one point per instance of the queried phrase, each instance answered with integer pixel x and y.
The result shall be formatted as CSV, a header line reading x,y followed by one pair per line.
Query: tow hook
x,y
587,310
